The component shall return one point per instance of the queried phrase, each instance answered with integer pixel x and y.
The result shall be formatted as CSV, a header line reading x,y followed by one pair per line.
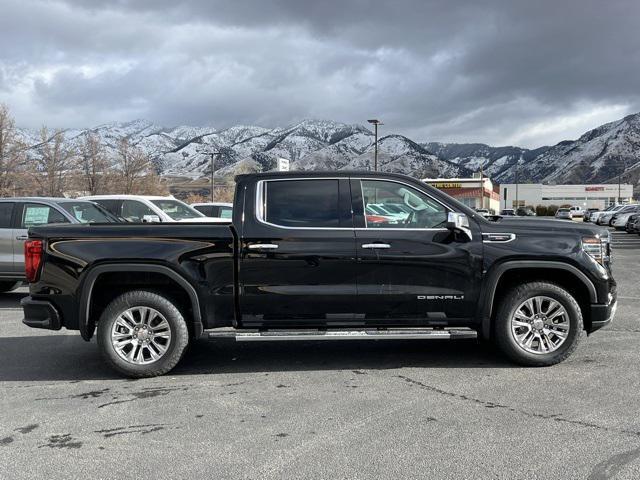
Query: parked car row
x,y
519,212
17,215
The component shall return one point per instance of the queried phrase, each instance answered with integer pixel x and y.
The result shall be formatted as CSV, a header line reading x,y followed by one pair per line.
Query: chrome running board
x,y
365,334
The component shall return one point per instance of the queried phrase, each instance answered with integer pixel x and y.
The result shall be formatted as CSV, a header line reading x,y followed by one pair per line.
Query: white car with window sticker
x,y
153,209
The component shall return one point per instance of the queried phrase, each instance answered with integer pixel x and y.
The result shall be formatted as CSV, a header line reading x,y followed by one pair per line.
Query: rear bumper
x,y
40,314
601,315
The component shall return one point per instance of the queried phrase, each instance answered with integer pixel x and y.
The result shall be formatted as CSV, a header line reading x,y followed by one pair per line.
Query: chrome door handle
x,y
22,237
263,246
376,245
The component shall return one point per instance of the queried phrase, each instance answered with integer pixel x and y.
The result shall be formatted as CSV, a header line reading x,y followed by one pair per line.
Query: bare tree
x,y
134,165
94,164
54,162
12,151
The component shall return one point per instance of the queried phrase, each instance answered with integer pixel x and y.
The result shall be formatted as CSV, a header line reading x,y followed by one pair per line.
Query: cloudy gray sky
x,y
527,72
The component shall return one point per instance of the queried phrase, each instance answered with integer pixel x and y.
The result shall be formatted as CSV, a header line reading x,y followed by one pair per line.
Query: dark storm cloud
x,y
495,71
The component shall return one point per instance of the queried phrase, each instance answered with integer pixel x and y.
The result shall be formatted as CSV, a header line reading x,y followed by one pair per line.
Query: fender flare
x,y
85,323
492,279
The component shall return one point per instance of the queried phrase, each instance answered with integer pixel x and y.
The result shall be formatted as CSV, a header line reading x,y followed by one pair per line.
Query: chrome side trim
x,y
487,237
263,246
261,199
376,245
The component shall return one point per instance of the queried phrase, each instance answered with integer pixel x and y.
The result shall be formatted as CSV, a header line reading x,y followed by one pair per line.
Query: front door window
x,y
396,205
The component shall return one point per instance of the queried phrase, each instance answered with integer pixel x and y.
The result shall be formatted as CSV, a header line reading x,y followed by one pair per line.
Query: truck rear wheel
x,y
538,324
142,334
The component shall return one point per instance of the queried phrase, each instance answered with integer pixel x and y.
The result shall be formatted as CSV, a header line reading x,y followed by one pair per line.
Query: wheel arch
x,y
93,276
567,276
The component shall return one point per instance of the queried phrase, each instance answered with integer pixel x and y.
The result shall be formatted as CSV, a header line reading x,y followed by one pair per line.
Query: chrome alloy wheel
x,y
540,325
141,335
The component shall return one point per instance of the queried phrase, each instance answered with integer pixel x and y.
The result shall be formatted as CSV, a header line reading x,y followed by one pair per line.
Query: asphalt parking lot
x,y
413,409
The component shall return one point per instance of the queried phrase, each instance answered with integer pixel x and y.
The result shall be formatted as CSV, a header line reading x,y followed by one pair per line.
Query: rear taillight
x,y
32,259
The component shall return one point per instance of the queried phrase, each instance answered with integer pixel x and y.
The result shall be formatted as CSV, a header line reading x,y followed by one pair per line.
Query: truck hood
x,y
539,225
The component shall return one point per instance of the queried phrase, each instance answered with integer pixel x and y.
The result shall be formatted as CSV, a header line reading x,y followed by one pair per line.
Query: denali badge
x,y
440,297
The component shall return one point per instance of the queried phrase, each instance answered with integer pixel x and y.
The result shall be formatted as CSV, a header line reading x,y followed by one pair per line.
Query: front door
x,y
297,254
411,268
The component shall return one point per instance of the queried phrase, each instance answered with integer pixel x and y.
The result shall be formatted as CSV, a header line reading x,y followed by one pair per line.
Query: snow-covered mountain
x,y
309,145
597,156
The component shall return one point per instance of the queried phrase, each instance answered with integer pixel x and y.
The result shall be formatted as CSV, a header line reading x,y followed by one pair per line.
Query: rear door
x,y
412,270
6,238
31,214
297,253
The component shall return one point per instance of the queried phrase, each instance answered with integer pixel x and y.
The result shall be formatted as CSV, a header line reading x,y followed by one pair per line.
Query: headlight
x,y
597,247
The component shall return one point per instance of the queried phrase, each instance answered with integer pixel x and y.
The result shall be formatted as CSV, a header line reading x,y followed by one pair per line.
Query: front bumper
x,y
40,314
601,315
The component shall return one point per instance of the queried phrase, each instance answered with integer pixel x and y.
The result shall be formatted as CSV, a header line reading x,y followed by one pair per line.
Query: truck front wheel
x,y
142,334
538,324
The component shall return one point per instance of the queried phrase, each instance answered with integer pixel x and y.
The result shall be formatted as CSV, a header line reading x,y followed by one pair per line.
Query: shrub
x,y
551,210
541,210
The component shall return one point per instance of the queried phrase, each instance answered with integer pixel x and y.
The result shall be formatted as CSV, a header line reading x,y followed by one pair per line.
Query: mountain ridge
x,y
599,155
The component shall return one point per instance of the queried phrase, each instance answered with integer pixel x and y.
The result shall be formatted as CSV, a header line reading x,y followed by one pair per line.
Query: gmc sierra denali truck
x,y
302,259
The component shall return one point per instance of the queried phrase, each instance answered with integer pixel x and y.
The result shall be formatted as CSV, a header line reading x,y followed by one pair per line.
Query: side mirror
x,y
151,219
459,222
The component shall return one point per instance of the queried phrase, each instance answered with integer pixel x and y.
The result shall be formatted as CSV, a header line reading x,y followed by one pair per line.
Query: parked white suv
x,y
145,208
577,211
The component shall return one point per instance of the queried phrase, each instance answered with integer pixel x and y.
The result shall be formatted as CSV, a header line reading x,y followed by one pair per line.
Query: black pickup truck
x,y
312,256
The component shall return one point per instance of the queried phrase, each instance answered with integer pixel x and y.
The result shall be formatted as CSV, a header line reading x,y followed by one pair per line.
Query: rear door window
x,y
34,214
302,203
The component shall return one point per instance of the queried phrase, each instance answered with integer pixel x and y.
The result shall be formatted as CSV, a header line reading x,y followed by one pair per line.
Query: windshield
x,y
176,209
87,212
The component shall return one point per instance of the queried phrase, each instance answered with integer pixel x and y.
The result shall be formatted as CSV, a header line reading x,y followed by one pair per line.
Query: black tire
x,y
513,299
177,326
9,286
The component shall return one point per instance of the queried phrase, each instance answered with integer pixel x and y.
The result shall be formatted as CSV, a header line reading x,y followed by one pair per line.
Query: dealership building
x,y
474,192
585,196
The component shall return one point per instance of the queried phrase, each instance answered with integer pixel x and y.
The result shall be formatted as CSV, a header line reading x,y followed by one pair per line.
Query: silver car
x,y
18,214
564,214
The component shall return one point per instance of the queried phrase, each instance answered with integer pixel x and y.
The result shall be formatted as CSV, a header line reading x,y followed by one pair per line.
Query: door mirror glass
x,y
151,219
459,222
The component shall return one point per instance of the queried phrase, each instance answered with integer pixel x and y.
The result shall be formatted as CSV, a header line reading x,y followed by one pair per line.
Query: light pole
x,y
517,165
375,122
481,186
212,173
620,171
